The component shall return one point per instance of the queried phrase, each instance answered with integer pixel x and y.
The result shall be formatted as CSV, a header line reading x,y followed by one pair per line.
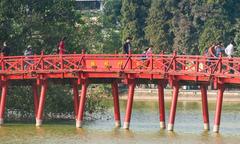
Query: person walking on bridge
x,y
219,49
149,51
127,45
28,52
211,51
5,49
61,46
229,50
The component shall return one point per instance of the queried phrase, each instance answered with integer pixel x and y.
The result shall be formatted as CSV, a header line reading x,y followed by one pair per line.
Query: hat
x,y
129,38
29,46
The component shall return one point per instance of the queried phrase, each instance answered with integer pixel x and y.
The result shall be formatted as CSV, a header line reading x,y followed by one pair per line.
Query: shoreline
x,y
184,95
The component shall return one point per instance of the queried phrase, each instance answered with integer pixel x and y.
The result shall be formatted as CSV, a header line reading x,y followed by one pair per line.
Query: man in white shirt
x,y
229,50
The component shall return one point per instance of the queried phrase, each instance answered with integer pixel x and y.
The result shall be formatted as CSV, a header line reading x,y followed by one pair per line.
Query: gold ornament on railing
x,y
107,65
120,64
93,64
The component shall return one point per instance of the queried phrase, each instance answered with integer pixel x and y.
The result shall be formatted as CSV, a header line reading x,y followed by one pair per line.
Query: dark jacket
x,y
5,50
126,47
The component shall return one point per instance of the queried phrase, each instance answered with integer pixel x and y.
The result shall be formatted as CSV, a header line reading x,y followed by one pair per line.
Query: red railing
x,y
158,65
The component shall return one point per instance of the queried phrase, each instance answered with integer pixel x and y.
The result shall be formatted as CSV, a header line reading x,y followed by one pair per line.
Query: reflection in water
x,y
172,136
116,133
218,138
40,131
205,136
128,134
82,133
144,128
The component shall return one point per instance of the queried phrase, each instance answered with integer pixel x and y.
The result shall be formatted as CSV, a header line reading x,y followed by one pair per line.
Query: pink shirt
x,y
61,47
148,53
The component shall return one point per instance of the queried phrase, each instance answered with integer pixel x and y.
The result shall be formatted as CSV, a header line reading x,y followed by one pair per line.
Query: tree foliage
x,y
187,26
42,24
158,30
134,14
39,23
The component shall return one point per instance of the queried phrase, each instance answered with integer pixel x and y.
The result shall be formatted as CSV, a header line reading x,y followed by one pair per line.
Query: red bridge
x,y
84,69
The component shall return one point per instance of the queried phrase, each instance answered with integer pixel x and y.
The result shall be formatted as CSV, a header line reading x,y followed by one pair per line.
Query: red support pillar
x,y
161,104
75,97
205,106
218,109
41,103
35,98
3,101
116,104
131,86
79,119
173,106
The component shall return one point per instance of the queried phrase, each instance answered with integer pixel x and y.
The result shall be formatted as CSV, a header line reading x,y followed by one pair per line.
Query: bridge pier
x,y
41,103
3,101
173,106
205,107
116,104
218,108
161,104
79,120
35,97
75,97
131,87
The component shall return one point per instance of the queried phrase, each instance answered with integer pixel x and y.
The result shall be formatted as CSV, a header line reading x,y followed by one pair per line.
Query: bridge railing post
x,y
162,61
41,102
131,87
173,106
205,114
79,119
3,62
4,87
151,61
116,103
75,96
42,62
82,62
161,104
217,117
62,61
220,64
35,97
174,61
130,59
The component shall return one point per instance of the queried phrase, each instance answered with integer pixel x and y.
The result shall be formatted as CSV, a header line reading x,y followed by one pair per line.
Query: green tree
x,y
134,14
159,27
217,26
39,23
111,26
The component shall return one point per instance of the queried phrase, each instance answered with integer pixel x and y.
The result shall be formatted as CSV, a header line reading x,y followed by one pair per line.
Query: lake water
x,y
144,127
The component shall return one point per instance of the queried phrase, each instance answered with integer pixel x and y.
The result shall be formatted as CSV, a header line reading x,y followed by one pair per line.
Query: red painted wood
x,y
161,102
82,101
204,103
42,100
75,97
219,105
128,114
3,99
35,98
173,104
158,66
116,101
